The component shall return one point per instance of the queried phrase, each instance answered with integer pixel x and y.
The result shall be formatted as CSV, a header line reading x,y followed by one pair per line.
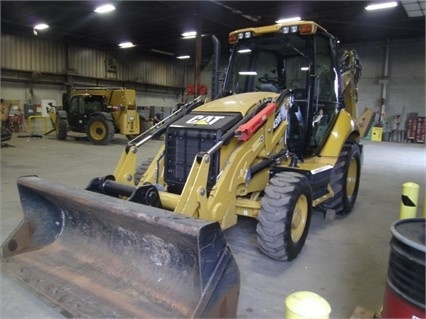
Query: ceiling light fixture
x,y
285,20
125,45
41,26
183,57
380,6
189,34
105,8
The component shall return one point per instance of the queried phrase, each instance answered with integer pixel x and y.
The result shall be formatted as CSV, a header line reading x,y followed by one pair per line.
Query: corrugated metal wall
x,y
31,54
35,54
148,69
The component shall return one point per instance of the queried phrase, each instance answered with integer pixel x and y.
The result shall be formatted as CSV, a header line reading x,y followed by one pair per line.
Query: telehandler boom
x,y
281,138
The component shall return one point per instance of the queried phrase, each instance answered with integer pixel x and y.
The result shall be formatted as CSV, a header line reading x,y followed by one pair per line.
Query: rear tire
x,y
344,180
100,131
285,216
61,128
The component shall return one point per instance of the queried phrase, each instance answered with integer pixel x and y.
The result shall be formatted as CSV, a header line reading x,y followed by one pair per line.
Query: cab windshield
x,y
272,63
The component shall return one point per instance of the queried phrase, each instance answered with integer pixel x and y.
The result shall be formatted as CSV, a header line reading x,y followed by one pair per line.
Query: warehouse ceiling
x,y
156,26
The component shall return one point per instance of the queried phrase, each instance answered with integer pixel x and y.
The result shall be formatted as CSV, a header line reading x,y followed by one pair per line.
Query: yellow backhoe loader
x,y
147,240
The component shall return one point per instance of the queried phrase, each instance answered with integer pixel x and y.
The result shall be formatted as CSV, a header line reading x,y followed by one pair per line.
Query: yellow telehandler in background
x,y
147,240
99,112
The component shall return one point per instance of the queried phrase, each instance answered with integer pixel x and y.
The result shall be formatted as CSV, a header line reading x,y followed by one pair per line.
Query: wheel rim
x,y
351,179
300,215
97,131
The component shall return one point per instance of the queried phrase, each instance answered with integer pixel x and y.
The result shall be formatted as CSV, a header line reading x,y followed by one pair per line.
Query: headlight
x,y
244,35
131,118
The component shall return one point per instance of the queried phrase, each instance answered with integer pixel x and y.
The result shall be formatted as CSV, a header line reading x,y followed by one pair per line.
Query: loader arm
x,y
126,166
234,180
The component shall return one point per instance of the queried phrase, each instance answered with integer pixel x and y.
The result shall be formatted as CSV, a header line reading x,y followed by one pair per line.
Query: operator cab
x,y
304,65
81,107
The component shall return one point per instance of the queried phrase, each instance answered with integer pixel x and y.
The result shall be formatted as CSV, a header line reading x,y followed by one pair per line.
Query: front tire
x,y
61,128
344,180
285,216
100,131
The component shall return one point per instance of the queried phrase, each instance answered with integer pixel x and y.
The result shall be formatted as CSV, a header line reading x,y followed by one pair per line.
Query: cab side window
x,y
93,105
325,92
324,70
74,105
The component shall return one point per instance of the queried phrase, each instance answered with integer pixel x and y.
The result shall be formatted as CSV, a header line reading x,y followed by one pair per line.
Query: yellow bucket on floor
x,y
306,304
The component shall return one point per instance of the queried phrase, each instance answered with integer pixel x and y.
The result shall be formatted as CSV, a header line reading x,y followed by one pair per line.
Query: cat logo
x,y
204,120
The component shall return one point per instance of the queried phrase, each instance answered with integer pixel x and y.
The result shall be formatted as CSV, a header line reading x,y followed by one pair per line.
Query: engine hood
x,y
241,103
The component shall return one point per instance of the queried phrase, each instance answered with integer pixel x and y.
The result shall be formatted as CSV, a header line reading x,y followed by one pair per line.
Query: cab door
x,y
77,117
326,100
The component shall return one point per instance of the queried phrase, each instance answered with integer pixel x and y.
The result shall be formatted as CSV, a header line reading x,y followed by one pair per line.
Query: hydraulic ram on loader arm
x,y
124,172
91,255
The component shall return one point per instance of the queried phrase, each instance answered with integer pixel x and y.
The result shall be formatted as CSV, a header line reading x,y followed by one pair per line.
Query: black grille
x,y
196,132
183,144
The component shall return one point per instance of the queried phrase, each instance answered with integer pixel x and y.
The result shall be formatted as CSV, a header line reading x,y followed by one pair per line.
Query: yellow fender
x,y
344,128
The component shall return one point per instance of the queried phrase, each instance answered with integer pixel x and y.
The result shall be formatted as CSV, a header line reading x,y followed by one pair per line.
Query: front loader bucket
x,y
91,255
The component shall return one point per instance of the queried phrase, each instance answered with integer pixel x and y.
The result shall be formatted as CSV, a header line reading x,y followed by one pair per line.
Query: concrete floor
x,y
344,261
